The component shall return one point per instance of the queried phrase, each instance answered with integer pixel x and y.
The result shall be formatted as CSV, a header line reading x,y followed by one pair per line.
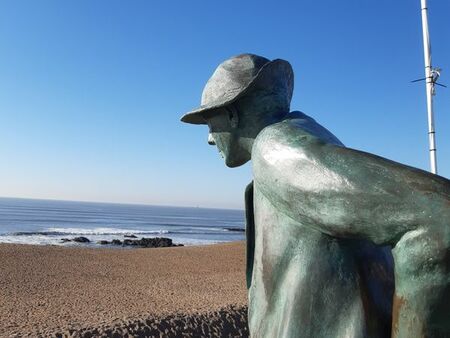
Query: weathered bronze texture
x,y
329,228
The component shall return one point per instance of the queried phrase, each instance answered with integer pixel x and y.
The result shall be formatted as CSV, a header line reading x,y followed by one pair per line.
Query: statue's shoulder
x,y
284,147
298,130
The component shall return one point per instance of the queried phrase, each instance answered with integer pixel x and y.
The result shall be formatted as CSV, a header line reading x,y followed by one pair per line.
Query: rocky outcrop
x,y
76,239
81,240
157,242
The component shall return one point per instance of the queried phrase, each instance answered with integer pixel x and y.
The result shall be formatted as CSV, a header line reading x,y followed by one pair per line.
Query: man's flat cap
x,y
237,76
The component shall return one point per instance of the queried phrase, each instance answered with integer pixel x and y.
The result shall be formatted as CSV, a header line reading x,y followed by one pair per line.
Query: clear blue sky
x,y
91,91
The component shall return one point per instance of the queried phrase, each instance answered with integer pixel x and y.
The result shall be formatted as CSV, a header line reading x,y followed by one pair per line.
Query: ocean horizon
x,y
48,222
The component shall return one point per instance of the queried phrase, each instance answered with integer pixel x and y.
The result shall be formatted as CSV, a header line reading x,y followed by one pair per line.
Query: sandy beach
x,y
84,292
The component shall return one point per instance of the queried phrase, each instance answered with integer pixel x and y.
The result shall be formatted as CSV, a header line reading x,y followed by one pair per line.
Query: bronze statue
x,y
326,224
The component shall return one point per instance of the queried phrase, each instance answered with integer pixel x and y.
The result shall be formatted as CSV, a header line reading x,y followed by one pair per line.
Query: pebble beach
x,y
53,291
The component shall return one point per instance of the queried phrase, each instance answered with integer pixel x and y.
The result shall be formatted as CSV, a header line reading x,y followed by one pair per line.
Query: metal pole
x,y
429,86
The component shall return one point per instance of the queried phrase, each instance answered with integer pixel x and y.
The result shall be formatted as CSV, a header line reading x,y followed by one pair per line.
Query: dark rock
x,y
65,240
128,242
129,236
81,240
157,242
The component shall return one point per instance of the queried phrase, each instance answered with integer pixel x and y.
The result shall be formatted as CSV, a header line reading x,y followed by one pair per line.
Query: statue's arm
x,y
345,192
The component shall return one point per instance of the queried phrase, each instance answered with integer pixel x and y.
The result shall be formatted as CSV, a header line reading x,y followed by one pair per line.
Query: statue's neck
x,y
247,141
247,144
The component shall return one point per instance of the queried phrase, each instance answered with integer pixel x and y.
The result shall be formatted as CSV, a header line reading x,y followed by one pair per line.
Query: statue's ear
x,y
233,116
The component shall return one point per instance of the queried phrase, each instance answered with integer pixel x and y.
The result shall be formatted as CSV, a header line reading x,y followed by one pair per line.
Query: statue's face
x,y
225,134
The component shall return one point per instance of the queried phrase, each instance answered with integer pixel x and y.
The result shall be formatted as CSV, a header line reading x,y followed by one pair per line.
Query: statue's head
x,y
245,94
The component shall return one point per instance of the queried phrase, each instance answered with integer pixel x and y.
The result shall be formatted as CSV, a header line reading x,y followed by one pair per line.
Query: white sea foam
x,y
34,240
102,231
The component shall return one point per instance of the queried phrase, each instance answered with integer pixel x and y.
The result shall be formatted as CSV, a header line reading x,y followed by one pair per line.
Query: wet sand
x,y
84,292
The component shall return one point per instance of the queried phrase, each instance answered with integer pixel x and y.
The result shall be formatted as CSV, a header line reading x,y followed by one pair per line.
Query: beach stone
x,y
127,242
65,240
116,242
103,242
157,242
81,240
130,236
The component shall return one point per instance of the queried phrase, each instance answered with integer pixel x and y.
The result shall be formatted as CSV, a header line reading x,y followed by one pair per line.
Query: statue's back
x,y
308,284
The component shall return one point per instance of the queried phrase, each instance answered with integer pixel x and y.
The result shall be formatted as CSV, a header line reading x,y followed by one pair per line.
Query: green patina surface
x,y
341,243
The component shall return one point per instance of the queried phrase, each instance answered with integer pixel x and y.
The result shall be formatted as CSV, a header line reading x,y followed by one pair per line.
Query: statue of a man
x,y
324,221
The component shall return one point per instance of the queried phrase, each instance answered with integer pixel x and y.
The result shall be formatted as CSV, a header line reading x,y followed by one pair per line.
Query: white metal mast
x,y
430,79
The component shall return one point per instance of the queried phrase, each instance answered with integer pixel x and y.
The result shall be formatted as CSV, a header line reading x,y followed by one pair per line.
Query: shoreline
x,y
114,247
115,241
96,246
78,290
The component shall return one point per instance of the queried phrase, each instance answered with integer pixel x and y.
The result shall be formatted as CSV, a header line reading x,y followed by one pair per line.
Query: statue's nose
x,y
211,140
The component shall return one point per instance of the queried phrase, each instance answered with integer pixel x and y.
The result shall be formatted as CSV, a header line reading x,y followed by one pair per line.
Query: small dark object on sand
x,y
103,242
116,242
65,240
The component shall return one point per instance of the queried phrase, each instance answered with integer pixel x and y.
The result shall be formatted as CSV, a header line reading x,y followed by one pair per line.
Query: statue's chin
x,y
231,163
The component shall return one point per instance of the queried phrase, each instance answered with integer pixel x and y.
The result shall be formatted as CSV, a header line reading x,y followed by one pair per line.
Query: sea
x,y
47,222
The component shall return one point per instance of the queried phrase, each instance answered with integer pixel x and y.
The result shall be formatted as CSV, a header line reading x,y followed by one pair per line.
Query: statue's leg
x,y
422,284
